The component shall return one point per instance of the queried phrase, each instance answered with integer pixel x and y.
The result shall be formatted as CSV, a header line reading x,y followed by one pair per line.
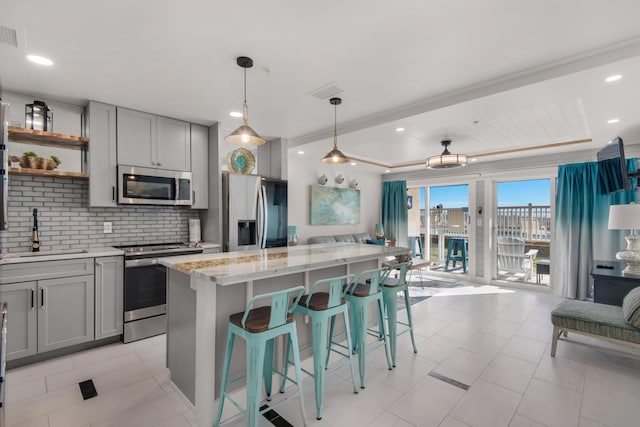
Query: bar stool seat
x,y
322,306
367,288
259,327
390,289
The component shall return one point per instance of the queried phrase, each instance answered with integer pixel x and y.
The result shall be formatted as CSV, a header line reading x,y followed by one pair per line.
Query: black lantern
x,y
38,116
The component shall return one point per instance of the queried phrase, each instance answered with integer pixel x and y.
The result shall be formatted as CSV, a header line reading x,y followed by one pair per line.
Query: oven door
x,y
145,289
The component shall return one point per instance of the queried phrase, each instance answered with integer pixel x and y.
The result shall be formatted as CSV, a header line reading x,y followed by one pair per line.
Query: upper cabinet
x,y
200,166
148,140
173,148
102,162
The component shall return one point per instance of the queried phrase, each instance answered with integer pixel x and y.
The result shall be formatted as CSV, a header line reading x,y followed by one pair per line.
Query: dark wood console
x,y
610,285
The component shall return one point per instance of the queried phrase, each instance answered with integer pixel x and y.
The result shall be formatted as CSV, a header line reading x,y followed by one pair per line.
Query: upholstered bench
x,y
608,322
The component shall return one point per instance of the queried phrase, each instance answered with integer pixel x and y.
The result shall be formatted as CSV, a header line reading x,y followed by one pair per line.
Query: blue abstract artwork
x,y
331,205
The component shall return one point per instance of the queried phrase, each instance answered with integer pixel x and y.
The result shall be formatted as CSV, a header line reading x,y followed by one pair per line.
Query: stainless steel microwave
x,y
149,186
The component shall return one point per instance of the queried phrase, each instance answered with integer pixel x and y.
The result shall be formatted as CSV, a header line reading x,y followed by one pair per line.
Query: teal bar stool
x,y
391,287
259,327
321,306
412,244
457,251
367,288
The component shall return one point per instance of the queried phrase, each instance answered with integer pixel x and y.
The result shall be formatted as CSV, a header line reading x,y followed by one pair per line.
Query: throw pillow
x,y
631,307
375,242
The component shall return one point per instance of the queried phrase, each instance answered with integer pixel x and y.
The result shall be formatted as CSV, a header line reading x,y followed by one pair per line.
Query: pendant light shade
x,y
244,135
335,155
446,160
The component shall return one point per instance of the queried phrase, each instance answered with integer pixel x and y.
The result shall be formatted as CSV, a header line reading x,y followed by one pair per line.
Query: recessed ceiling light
x,y
41,60
352,163
387,171
399,129
474,159
612,121
613,78
235,114
301,152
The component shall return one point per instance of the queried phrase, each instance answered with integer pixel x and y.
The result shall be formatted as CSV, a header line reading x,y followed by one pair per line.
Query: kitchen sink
x,y
46,253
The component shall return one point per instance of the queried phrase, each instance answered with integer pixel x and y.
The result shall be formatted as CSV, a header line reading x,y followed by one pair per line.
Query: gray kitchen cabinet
x,y
65,312
22,318
151,141
109,276
200,166
100,120
136,138
173,144
50,303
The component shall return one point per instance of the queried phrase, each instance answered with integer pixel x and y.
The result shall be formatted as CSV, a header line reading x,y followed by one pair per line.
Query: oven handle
x,y
140,262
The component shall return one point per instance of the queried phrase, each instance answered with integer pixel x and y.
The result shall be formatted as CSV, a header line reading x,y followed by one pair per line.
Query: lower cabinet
x,y
109,275
48,314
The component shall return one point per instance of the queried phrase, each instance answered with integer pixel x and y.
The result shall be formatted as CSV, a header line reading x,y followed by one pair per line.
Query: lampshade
x,y
446,160
627,217
335,155
624,217
244,135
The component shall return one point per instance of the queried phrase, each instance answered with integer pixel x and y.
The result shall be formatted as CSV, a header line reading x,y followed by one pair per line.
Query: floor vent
x,y
88,389
449,380
275,418
8,36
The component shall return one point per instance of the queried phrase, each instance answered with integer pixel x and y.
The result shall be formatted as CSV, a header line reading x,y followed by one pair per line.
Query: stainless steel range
x,y
145,288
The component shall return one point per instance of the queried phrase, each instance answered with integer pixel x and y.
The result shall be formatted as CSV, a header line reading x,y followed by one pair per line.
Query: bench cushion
x,y
631,307
596,319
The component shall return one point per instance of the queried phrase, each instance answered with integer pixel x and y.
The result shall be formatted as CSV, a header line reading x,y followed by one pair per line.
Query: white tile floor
x,y
494,340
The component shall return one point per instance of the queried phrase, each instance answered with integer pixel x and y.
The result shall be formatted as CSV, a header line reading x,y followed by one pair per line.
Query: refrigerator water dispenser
x,y
247,233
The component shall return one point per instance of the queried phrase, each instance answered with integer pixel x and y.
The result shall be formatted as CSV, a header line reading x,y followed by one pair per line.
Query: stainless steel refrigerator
x,y
254,212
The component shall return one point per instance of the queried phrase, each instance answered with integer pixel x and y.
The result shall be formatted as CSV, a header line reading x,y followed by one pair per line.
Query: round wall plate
x,y
241,160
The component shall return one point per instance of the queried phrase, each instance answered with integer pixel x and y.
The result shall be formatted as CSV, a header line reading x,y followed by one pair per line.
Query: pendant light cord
x,y
335,126
245,109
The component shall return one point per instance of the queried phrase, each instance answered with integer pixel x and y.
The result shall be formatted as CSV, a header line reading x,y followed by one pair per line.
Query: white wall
x,y
304,170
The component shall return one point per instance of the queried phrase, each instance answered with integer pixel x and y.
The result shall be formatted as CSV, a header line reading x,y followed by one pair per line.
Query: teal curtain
x,y
394,212
581,234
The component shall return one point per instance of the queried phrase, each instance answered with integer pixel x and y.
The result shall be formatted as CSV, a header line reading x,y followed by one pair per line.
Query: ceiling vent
x,y
327,91
8,36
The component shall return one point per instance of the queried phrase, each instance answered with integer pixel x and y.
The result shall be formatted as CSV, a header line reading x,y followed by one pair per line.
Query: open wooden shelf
x,y
44,172
49,139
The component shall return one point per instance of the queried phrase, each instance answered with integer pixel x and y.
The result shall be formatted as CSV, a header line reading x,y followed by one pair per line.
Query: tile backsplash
x,y
65,221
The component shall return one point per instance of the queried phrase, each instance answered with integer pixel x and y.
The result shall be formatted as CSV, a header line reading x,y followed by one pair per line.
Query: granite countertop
x,y
22,257
235,267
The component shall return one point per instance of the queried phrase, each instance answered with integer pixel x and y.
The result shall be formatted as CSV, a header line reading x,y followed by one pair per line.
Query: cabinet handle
x,y
153,163
113,193
33,297
193,193
41,297
158,164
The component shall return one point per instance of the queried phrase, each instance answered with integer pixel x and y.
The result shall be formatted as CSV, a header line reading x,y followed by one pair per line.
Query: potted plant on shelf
x,y
28,160
53,162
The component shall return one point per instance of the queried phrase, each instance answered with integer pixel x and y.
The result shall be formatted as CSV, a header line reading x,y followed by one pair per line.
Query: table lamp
x,y
627,217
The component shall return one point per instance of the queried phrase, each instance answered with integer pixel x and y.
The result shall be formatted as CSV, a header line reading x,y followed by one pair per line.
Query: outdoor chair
x,y
513,259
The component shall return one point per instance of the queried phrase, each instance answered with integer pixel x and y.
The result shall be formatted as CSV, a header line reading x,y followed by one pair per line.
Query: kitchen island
x,y
203,290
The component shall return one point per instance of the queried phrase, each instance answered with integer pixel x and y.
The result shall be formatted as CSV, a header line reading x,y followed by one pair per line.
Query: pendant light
x,y
446,160
335,155
244,135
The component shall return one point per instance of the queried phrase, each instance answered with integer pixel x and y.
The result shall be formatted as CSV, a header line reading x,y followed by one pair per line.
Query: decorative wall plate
x,y
241,160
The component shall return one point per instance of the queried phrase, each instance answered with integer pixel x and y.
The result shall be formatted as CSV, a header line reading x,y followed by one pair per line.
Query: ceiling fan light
x,y
446,160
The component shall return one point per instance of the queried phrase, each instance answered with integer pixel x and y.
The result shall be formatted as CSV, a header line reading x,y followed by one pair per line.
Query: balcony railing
x,y
531,223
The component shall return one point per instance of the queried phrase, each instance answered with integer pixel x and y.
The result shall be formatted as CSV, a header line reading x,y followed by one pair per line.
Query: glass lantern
x,y
292,235
38,116
379,231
